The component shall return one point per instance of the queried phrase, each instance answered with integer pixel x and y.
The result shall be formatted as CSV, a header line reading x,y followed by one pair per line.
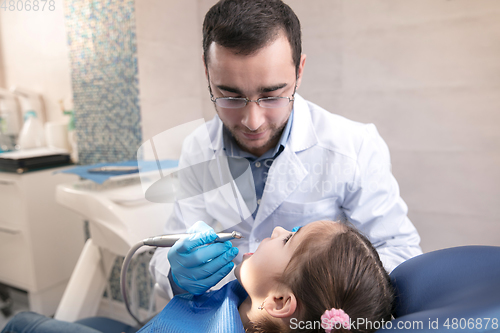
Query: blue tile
x,y
103,53
103,56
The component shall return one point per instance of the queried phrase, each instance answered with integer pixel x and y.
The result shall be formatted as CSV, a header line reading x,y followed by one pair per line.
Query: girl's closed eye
x,y
287,238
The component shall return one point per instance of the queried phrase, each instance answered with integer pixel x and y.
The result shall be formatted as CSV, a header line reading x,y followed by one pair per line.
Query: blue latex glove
x,y
295,229
197,267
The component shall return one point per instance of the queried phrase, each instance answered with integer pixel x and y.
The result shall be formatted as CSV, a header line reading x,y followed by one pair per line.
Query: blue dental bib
x,y
215,311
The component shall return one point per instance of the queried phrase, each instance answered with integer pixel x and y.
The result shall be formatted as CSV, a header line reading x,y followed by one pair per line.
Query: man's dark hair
x,y
246,26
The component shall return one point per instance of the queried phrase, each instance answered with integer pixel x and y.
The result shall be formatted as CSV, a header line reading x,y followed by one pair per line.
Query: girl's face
x,y
257,271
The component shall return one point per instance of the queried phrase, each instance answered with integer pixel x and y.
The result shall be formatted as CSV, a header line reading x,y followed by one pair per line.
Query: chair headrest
x,y
461,282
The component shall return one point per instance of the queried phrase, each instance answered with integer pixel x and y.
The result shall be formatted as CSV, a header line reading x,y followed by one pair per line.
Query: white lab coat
x,y
331,168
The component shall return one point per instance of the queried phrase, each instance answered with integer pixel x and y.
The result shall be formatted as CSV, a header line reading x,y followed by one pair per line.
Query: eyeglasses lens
x,y
240,103
231,103
274,103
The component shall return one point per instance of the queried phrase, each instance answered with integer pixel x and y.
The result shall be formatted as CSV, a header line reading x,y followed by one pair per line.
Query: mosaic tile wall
x,y
104,75
103,55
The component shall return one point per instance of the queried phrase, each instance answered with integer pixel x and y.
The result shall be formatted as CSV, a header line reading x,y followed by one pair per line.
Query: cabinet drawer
x,y
12,203
15,265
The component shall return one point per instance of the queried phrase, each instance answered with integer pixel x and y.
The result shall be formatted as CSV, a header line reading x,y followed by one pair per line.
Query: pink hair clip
x,y
335,318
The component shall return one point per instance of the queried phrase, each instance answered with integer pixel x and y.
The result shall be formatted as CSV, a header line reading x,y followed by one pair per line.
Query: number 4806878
x,y
27,5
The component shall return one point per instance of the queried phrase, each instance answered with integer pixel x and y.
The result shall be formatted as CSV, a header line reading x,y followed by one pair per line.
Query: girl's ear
x,y
281,305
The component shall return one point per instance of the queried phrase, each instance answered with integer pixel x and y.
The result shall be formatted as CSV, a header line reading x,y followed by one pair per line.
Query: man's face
x,y
270,72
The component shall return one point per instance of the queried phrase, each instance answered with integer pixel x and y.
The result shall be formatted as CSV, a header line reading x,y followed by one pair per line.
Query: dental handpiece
x,y
160,241
169,240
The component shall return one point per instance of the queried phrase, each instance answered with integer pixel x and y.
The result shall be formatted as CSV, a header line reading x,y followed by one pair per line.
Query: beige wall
x,y
169,60
35,55
426,72
2,69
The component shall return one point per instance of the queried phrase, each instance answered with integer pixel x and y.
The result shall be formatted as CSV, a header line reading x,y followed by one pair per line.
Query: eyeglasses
x,y
240,102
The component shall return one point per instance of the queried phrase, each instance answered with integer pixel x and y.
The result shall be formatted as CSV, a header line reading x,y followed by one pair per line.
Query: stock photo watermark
x,y
431,324
27,5
324,178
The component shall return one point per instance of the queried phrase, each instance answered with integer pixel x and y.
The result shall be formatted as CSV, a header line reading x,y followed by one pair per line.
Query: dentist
x,y
307,164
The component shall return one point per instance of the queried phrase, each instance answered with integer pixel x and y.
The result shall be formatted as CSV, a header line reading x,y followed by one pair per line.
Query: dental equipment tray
x,y
33,159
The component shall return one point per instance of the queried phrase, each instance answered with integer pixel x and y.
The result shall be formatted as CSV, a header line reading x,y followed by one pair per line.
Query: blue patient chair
x,y
448,290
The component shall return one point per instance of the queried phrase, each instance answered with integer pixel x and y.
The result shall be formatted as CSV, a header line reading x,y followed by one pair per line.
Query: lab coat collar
x,y
303,135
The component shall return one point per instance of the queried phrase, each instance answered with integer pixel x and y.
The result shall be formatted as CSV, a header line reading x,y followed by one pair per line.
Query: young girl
x,y
325,277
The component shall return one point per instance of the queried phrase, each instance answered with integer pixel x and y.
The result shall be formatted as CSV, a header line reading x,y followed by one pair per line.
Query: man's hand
x,y
196,266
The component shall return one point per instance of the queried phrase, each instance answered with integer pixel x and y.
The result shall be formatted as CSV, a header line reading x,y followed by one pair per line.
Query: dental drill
x,y
169,240
160,241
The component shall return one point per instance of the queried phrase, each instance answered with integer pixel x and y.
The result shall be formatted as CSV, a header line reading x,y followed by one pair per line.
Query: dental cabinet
x,y
40,241
119,216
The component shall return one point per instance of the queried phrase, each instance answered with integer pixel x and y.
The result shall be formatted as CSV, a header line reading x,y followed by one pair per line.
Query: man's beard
x,y
276,134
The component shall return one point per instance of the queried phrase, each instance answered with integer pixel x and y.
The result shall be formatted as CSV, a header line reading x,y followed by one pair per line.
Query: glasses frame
x,y
246,100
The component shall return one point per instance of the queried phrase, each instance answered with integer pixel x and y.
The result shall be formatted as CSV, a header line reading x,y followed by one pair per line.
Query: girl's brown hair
x,y
335,269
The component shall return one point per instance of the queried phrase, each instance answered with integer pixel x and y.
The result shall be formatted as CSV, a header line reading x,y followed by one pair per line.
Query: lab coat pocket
x,y
293,214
